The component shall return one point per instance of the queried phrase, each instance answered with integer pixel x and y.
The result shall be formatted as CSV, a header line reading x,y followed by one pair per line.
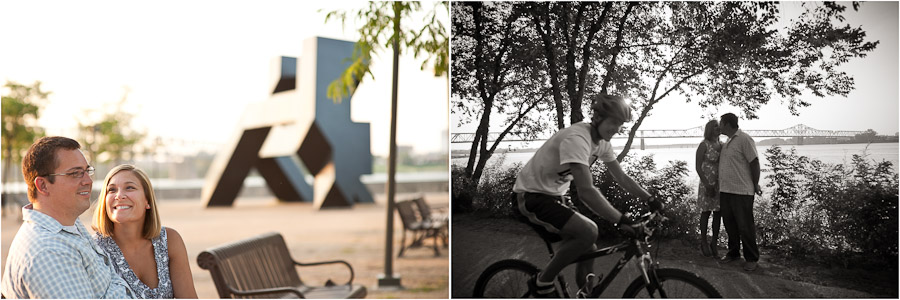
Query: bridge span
x,y
798,132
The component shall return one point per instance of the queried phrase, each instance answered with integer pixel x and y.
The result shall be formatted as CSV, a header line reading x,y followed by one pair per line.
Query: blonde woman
x,y
152,259
708,192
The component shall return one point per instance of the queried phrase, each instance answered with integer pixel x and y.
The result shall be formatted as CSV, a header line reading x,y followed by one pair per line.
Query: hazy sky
x,y
873,104
193,66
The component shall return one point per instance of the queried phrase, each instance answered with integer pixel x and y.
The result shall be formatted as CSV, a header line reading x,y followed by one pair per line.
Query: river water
x,y
833,154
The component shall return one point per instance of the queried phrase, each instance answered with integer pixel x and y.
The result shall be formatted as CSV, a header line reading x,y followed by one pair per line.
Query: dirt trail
x,y
479,242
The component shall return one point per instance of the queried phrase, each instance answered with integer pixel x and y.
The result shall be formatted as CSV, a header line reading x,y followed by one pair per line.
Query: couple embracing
x,y
53,256
729,177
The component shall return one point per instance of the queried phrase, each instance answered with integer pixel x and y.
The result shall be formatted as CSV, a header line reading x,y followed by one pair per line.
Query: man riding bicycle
x,y
566,157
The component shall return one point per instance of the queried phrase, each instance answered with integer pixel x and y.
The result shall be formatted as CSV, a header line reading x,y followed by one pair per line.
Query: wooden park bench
x,y
262,267
420,229
436,216
431,214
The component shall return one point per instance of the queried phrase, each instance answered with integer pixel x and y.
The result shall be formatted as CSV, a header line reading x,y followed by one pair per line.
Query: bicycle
x,y
510,278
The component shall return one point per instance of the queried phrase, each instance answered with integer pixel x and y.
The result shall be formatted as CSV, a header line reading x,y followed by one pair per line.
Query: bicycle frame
x,y
633,248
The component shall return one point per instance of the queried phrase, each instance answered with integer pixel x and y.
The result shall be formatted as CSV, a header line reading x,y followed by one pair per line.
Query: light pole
x,y
388,280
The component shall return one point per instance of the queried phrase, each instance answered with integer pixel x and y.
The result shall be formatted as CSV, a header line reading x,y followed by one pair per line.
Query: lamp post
x,y
389,280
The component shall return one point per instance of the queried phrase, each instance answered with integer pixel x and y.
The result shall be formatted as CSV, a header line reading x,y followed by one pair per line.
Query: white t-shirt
x,y
548,170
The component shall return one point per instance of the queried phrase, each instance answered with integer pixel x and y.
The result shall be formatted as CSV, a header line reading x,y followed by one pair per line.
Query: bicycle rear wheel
x,y
675,283
505,279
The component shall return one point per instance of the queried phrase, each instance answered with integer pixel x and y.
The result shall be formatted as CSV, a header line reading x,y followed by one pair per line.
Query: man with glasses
x,y
52,255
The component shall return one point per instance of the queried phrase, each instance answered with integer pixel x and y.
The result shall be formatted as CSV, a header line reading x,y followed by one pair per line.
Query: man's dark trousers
x,y
737,214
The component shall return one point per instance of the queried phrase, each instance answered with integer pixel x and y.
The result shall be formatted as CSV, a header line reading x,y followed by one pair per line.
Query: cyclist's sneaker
x,y
543,290
590,282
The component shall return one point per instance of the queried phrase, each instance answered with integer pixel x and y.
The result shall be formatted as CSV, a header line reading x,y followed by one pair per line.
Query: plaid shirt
x,y
47,260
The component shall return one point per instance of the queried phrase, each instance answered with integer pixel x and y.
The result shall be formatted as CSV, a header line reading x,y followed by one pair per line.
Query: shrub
x,y
829,212
492,195
667,184
461,190
495,190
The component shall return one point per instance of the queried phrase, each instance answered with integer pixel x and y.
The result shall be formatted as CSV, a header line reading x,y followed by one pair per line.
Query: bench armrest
x,y
349,283
266,291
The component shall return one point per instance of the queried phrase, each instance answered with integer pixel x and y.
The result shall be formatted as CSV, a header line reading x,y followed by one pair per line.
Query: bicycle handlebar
x,y
640,226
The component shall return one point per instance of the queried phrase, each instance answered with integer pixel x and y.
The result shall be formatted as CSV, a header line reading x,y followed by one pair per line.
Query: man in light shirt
x,y
52,255
565,158
738,182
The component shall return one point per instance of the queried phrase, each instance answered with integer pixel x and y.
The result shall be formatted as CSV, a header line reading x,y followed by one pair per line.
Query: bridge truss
x,y
796,131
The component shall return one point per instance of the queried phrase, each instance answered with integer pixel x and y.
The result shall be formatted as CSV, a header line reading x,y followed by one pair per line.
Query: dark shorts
x,y
544,211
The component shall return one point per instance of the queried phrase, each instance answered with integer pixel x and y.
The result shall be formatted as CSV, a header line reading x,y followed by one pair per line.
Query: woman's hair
x,y
708,133
104,225
610,106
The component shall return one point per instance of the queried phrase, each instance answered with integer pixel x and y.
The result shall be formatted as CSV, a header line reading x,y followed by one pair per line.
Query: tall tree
x,y
382,24
496,72
21,109
430,41
728,52
733,52
110,137
570,35
543,25
740,53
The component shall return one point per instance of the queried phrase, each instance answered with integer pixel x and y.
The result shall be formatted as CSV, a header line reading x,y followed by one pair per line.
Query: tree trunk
x,y
482,135
577,98
652,101
571,72
479,75
544,30
611,68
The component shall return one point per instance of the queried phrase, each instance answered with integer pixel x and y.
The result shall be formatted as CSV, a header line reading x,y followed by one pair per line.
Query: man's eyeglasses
x,y
76,173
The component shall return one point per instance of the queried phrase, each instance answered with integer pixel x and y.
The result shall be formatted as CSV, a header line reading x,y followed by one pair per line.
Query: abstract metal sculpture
x,y
298,131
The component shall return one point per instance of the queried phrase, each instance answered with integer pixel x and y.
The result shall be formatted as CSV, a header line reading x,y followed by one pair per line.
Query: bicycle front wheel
x,y
674,283
505,279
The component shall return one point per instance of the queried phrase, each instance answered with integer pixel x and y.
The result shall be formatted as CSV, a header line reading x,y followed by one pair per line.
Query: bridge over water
x,y
798,132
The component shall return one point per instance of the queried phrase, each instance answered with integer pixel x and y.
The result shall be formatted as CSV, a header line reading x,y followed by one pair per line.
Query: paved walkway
x,y
356,235
478,242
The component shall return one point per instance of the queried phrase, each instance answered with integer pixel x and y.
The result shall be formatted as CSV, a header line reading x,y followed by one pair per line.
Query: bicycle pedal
x,y
590,282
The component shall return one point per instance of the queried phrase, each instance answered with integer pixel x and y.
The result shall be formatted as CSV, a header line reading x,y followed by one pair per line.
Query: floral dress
x,y
710,168
160,250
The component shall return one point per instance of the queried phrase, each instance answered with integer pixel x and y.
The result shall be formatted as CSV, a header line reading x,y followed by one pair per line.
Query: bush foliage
x,y
831,212
492,195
